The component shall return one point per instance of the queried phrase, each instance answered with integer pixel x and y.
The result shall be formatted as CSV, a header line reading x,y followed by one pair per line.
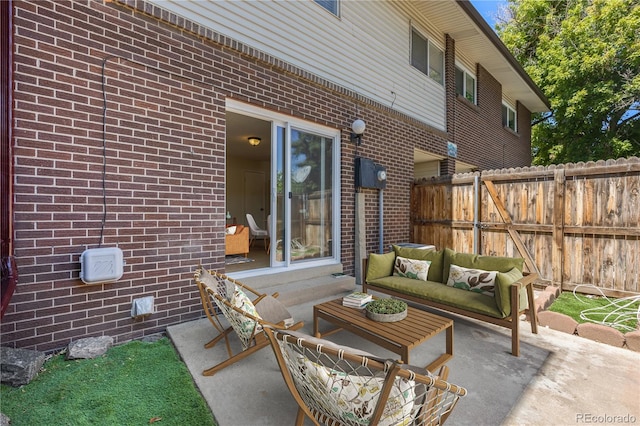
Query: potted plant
x,y
386,310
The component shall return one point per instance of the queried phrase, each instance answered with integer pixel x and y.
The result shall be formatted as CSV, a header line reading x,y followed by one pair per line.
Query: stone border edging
x,y
596,332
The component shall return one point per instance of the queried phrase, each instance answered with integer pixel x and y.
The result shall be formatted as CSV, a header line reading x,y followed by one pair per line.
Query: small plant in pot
x,y
386,310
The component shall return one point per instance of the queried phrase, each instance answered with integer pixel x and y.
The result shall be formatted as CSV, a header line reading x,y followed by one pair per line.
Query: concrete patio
x,y
559,379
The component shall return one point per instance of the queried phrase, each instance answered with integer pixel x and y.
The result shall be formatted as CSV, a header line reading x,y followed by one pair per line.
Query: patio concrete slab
x,y
559,379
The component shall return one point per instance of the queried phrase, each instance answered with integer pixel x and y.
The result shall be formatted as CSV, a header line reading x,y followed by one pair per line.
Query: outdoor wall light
x,y
357,129
254,141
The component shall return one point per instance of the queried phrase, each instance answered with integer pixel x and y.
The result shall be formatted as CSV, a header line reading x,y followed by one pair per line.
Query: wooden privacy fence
x,y
574,224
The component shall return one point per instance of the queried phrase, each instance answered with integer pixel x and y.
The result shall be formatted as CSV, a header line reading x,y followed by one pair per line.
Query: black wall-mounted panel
x,y
370,174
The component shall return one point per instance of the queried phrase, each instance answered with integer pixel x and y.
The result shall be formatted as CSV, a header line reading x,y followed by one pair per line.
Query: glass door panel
x,y
311,187
279,250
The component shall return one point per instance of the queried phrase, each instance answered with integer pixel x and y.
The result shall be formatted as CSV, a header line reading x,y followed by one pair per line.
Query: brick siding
x,y
166,84
480,135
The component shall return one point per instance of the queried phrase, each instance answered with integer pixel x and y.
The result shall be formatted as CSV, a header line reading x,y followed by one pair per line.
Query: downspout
x,y
9,276
5,127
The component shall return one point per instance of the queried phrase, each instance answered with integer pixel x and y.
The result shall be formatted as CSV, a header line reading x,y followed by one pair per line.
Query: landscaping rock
x,y
88,348
19,366
542,302
632,340
554,290
601,333
152,338
557,321
4,420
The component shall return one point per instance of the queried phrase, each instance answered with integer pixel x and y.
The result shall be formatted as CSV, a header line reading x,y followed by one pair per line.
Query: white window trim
x,y
466,72
430,43
515,117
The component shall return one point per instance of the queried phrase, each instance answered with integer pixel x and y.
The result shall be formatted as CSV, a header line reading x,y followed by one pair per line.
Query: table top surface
x,y
416,328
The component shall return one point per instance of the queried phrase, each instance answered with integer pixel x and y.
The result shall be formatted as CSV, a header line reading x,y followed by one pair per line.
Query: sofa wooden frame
x,y
511,322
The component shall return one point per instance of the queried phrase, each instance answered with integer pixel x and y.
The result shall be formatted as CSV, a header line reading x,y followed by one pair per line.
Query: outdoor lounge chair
x,y
337,385
246,317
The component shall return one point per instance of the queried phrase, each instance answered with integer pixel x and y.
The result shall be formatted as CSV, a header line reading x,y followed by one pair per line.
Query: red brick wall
x,y
482,139
165,135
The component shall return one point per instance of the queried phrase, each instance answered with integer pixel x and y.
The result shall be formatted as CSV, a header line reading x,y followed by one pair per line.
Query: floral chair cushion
x,y
354,397
238,298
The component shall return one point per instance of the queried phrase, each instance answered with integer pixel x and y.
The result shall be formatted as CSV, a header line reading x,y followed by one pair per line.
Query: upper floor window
x,y
426,57
509,117
466,84
330,5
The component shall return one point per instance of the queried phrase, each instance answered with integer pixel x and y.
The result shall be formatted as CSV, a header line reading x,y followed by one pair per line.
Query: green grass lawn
x,y
621,314
137,383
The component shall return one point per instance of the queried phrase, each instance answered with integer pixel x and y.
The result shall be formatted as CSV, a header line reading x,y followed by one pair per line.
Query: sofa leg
x,y
515,320
533,315
515,338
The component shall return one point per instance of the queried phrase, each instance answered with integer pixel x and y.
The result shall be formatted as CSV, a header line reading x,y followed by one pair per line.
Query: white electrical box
x,y
101,265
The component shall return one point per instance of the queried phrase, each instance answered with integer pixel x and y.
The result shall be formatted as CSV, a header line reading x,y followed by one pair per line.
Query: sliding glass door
x,y
304,195
301,170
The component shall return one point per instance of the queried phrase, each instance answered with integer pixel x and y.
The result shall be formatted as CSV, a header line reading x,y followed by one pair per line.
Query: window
x,y
509,117
426,57
465,84
330,5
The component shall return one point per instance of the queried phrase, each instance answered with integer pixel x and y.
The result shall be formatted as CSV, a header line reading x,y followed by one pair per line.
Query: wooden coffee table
x,y
399,337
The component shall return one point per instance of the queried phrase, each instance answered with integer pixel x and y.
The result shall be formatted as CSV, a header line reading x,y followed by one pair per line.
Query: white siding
x,y
469,65
509,101
366,49
426,170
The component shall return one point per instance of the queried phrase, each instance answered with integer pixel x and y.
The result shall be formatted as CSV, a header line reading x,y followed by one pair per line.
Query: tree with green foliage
x,y
585,56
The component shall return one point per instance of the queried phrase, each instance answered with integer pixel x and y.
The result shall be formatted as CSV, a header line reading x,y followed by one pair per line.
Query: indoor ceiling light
x,y
254,141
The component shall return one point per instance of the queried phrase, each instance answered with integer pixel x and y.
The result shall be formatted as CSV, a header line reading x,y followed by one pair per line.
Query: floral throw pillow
x,y
411,268
247,325
353,397
472,279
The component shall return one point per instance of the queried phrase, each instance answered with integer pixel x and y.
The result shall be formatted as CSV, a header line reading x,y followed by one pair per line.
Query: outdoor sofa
x,y
421,276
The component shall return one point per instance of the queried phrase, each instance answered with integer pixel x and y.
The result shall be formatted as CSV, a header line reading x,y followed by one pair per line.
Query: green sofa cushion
x,y
380,265
503,292
438,292
475,261
435,257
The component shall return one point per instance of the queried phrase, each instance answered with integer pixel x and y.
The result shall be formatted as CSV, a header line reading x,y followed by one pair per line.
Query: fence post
x,y
476,214
557,248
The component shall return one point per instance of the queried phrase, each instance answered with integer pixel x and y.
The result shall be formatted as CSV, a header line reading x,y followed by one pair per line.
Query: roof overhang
x,y
479,43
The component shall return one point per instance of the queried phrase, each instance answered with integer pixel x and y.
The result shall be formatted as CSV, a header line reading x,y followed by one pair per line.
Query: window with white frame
x,y
426,57
509,117
330,5
466,84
